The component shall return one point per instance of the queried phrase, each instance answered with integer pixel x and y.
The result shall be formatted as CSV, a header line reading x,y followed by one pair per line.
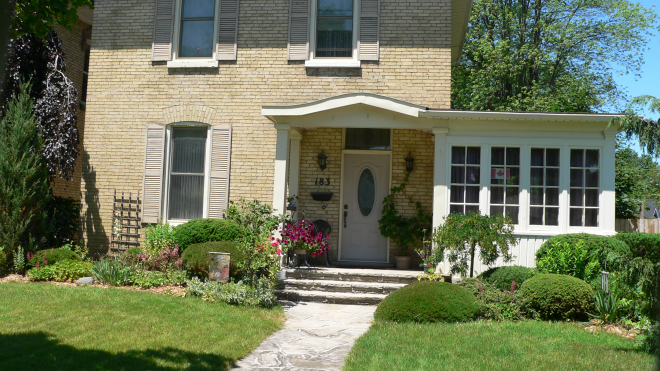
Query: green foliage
x,y
145,279
111,272
62,271
548,55
460,235
3,259
573,260
401,229
65,216
607,307
158,237
558,297
494,304
636,179
642,245
196,257
610,252
638,278
428,301
38,16
257,293
254,216
502,277
205,230
51,256
24,190
645,130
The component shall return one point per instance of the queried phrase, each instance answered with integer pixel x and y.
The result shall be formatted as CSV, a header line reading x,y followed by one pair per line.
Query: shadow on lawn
x,y
42,351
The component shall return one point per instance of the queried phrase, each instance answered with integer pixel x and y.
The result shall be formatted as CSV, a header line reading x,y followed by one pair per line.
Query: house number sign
x,y
322,181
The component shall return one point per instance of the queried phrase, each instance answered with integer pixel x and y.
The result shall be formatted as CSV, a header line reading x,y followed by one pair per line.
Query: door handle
x,y
345,217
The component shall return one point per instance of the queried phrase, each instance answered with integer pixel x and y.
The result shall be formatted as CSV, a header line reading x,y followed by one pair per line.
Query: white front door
x,y
366,183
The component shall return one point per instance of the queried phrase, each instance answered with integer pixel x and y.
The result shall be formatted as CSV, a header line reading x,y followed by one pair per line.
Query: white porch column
x,y
607,211
281,168
294,162
439,176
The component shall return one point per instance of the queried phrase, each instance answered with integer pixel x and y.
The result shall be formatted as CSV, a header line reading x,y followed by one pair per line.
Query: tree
x,y
460,235
647,131
548,55
637,179
24,190
37,17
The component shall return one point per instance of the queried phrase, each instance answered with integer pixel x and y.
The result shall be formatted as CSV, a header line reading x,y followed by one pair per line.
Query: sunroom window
x,y
187,172
584,191
544,187
465,179
334,29
505,182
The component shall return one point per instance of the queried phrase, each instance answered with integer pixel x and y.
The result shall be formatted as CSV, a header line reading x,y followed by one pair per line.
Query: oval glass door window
x,y
366,192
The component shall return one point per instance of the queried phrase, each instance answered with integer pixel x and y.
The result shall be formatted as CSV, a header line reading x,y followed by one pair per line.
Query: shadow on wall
x,y
42,351
91,223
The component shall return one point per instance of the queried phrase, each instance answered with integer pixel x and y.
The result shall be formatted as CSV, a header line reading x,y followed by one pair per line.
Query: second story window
x,y
334,29
197,25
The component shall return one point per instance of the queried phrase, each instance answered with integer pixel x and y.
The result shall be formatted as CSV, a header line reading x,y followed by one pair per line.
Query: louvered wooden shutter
x,y
161,49
152,185
299,14
368,45
227,30
220,166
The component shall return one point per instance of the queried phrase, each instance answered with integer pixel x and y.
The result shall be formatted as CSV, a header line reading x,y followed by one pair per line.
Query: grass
x,y
492,346
47,327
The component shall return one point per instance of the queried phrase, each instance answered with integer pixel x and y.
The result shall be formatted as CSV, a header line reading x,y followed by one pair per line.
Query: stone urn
x,y
402,262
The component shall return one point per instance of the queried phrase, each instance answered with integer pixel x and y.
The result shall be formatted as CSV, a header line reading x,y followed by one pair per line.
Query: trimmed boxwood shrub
x,y
52,256
205,230
428,301
642,245
606,249
502,277
196,258
558,297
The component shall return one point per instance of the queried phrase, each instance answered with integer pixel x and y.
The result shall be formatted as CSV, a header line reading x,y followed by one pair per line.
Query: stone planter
x,y
402,262
219,267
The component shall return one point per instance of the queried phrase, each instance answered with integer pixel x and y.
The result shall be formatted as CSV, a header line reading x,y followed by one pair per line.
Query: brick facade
x,y
127,91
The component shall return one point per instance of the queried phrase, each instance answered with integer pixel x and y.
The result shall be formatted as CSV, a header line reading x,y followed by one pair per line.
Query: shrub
x,y
3,259
253,215
558,297
196,257
158,237
62,271
111,272
494,304
608,250
573,260
205,230
167,258
65,215
147,279
50,256
258,293
502,277
428,301
642,245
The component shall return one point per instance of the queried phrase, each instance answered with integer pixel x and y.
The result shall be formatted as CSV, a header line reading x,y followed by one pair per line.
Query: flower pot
x,y
301,252
402,262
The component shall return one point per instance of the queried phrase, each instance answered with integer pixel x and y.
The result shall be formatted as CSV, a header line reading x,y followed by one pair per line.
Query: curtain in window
x,y
187,173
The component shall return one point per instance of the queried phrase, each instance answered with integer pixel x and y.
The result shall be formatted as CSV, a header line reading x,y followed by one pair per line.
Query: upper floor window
x,y
196,30
334,29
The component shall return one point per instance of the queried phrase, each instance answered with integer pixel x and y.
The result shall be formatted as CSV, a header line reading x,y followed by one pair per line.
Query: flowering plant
x,y
302,236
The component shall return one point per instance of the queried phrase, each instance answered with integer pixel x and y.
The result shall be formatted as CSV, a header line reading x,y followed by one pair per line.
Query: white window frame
x,y
521,148
192,62
483,186
577,229
168,167
331,62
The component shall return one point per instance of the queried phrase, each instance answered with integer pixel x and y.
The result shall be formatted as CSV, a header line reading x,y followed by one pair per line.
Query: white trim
x,y
209,62
331,62
494,115
192,63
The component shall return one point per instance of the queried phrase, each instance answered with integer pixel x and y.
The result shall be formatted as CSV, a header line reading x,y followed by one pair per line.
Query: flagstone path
x,y
316,336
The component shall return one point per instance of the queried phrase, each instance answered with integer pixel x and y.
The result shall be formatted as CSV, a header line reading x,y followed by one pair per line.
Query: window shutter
x,y
368,45
299,14
161,49
227,30
152,186
220,166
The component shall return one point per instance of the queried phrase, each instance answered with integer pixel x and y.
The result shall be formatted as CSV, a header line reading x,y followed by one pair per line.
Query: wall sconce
x,y
322,157
409,162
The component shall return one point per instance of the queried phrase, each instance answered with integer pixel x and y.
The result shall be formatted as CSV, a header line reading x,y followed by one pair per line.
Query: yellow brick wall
x,y
128,91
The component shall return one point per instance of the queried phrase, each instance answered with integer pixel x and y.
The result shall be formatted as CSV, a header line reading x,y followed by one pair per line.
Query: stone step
x,y
330,297
340,286
354,275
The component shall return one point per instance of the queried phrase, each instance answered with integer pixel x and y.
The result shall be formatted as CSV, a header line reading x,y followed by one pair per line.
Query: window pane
x,y
458,155
552,196
474,155
334,37
512,195
513,176
471,209
497,210
513,156
551,157
497,156
497,175
457,194
335,7
456,209
536,177
472,195
196,39
186,196
576,178
198,8
552,177
591,217
512,212
575,218
592,158
551,216
576,157
188,150
366,192
497,195
537,156
591,197
472,175
457,174
536,196
374,139
576,197
591,176
536,215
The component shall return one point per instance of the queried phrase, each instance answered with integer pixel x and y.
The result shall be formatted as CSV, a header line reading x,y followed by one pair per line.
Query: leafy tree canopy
x,y
637,179
549,55
647,131
37,17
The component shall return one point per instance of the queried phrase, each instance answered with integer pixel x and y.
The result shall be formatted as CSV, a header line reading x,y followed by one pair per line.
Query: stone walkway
x,y
316,336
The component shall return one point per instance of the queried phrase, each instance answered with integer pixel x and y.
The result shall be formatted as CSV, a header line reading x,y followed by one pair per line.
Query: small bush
x,y
558,297
196,257
428,301
258,294
51,256
494,304
206,230
62,271
502,277
642,245
111,272
3,259
573,260
606,249
158,237
147,279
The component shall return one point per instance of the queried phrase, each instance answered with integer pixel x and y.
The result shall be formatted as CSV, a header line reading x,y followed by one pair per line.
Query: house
x,y
199,102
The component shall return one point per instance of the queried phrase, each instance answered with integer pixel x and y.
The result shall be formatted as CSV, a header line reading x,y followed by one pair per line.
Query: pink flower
x,y
279,252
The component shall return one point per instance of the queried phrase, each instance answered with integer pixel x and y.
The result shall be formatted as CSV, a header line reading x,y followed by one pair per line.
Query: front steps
x,y
342,286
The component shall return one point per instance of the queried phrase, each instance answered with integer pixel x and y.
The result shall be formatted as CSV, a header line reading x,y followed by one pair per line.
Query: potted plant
x,y
302,238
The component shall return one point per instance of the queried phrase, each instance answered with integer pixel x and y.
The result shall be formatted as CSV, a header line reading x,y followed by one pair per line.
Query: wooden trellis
x,y
126,214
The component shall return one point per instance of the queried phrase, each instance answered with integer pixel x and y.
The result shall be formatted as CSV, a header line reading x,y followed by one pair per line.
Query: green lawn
x,y
47,327
493,346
